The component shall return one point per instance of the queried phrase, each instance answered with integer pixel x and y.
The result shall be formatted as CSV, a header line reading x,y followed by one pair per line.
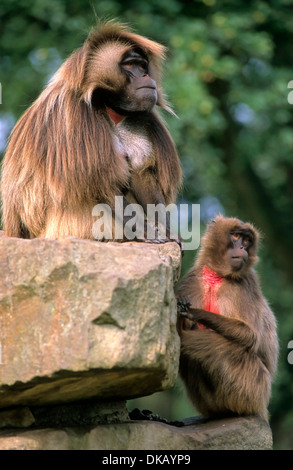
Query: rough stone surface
x,y
82,319
249,433
85,412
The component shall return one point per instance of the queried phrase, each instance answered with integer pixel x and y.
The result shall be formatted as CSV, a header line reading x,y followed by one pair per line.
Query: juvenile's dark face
x,y
140,92
238,248
229,246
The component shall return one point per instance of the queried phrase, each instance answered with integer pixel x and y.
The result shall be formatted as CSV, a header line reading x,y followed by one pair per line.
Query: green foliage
x,y
227,76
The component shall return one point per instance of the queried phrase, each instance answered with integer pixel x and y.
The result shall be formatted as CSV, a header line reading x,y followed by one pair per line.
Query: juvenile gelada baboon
x,y
229,343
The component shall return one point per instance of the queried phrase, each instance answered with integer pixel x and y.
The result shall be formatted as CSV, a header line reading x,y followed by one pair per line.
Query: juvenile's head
x,y
229,246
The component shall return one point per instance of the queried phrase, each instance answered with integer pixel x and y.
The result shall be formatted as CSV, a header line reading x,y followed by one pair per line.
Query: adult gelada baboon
x,y
94,133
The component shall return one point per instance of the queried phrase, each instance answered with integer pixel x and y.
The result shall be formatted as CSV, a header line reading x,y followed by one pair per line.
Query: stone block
x,y
82,319
249,433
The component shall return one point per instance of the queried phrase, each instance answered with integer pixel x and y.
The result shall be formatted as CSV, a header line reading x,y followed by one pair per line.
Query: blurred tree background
x,y
227,75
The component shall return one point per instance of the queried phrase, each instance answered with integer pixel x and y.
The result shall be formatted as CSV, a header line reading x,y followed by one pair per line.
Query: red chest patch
x,y
211,282
116,118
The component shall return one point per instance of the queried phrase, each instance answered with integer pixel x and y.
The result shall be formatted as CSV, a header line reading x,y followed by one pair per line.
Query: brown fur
x,y
62,158
227,366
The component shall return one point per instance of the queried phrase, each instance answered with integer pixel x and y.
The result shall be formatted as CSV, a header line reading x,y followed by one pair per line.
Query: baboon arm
x,y
230,328
146,190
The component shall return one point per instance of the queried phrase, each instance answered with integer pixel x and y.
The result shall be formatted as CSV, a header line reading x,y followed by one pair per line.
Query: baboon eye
x,y
235,236
246,241
128,65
